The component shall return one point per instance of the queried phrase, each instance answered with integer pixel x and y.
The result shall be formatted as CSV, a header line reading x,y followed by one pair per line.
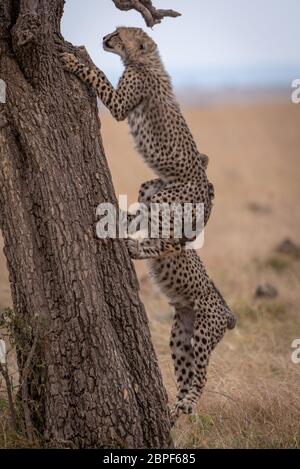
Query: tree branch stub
x,y
151,15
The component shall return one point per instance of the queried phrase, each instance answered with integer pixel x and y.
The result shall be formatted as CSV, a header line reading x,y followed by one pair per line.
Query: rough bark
x,y
94,380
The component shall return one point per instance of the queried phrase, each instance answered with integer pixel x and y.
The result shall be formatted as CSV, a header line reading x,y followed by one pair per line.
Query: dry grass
x,y
9,438
252,395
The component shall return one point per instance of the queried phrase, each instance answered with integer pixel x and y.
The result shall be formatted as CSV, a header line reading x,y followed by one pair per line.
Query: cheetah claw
x,y
69,61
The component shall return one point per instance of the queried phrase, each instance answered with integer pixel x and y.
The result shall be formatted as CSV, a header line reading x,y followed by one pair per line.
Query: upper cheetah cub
x,y
144,95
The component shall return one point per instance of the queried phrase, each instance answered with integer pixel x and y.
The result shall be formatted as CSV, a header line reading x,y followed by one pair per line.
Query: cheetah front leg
x,y
148,248
120,101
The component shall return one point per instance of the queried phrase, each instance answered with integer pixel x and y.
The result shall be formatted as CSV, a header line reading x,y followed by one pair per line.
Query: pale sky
x,y
215,41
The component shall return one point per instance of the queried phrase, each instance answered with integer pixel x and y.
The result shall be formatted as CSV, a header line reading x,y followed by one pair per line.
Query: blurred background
x,y
215,44
232,63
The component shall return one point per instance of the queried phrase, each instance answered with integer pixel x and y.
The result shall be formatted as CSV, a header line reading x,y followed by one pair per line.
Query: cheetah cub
x,y
201,320
145,97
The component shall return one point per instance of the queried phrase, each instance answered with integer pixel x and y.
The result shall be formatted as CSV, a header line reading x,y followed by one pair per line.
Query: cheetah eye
x,y
142,47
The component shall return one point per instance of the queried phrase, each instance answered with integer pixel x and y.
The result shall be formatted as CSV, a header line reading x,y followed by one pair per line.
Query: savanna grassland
x,y
252,395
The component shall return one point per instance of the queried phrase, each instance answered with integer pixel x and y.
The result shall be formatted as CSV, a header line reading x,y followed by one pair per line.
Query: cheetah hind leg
x,y
149,188
202,347
134,219
182,352
146,246
146,191
139,245
210,326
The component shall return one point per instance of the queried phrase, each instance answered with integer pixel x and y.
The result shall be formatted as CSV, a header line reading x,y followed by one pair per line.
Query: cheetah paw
x,y
133,247
133,243
69,61
185,406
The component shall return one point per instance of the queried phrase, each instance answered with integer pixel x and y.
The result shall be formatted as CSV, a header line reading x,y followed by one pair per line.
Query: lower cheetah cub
x,y
201,319
201,314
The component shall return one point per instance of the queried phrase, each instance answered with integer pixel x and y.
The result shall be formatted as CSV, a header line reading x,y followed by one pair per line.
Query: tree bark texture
x,y
94,380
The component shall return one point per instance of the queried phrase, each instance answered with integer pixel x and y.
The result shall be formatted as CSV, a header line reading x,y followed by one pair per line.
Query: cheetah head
x,y
133,45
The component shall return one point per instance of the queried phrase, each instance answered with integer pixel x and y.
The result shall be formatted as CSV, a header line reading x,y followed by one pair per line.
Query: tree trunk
x,y
93,379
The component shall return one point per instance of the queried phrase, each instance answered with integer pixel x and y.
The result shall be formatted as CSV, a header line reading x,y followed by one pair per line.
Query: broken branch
x,y
150,14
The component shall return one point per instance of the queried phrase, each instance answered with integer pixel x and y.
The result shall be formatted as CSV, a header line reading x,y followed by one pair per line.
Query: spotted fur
x,y
145,97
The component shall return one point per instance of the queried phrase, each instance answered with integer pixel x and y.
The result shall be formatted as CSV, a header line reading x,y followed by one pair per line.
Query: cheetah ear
x,y
204,160
152,47
146,47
